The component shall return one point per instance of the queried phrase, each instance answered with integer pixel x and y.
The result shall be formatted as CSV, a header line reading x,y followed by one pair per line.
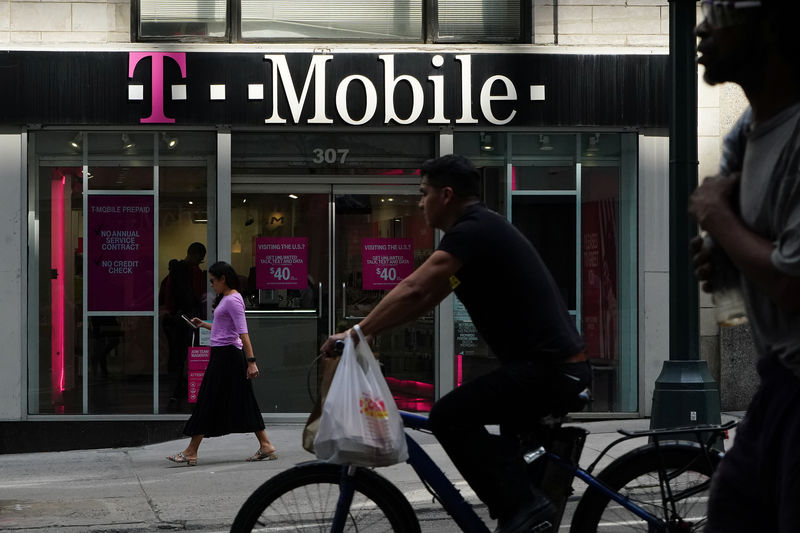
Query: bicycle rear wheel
x,y
680,499
304,498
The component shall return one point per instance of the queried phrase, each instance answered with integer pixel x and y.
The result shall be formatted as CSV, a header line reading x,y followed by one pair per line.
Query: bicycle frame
x,y
460,510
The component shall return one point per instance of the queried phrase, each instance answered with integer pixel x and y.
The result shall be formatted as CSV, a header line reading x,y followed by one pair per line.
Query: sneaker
x,y
533,517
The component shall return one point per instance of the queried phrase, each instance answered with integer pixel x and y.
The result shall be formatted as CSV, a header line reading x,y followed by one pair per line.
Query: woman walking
x,y
225,402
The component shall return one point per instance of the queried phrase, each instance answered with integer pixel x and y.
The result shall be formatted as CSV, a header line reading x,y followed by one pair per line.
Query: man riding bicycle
x,y
543,367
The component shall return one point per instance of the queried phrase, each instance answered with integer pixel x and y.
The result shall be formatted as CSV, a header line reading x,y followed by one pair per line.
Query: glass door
x,y
315,259
380,238
280,249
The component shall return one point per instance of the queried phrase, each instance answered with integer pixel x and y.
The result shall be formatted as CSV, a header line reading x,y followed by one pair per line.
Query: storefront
x,y
301,169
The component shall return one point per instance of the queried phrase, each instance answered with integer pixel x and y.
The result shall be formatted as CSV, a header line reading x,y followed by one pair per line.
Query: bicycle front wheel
x,y
304,499
679,499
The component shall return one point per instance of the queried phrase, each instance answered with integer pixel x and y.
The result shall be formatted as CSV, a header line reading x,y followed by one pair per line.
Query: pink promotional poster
x,y
282,263
386,262
119,248
198,358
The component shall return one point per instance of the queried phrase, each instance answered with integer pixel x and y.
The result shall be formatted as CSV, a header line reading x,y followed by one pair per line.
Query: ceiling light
x,y
594,144
76,141
171,142
127,143
486,142
293,196
544,143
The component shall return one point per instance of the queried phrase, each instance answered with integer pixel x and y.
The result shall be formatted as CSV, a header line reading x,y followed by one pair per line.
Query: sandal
x,y
180,458
260,456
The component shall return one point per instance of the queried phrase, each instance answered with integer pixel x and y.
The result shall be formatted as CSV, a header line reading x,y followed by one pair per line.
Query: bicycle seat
x,y
541,430
576,404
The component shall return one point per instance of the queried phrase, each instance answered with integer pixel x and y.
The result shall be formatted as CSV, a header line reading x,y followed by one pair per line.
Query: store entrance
x,y
315,259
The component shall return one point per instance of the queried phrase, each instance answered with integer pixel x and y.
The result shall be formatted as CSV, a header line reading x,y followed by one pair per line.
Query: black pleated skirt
x,y
225,401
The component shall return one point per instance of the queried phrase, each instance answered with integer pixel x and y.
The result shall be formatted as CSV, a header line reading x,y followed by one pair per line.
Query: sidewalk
x,y
137,489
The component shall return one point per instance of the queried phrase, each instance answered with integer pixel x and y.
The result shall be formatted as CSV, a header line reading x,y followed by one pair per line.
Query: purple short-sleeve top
x,y
229,321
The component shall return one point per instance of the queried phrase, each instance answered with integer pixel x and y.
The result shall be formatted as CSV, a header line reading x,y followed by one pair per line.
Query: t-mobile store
x,y
301,169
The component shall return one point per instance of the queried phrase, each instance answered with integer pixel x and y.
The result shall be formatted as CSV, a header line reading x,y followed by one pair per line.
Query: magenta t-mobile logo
x,y
157,74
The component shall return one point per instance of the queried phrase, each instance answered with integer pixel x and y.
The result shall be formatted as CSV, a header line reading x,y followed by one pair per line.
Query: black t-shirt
x,y
507,290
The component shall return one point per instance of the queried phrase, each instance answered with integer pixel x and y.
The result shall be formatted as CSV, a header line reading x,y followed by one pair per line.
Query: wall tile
x,y
5,15
74,37
707,95
591,2
622,20
26,36
544,39
591,40
708,121
120,18
574,20
650,41
37,16
118,37
708,322
89,17
708,153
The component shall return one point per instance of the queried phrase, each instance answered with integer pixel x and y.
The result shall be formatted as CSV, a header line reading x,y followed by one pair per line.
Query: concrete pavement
x,y
136,489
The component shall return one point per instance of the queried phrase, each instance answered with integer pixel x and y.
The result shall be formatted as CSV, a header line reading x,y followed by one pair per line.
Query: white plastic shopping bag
x,y
360,423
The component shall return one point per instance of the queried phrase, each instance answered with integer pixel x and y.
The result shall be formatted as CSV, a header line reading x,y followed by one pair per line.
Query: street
x,y
137,489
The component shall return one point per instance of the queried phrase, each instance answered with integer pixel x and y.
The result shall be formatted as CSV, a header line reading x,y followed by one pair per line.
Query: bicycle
x,y
659,486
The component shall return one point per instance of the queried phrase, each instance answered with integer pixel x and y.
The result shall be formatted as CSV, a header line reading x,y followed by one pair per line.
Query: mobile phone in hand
x,y
188,321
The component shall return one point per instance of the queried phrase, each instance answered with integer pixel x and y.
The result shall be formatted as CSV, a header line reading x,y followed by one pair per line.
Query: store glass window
x,y
324,225
460,20
573,196
393,20
101,226
183,18
336,20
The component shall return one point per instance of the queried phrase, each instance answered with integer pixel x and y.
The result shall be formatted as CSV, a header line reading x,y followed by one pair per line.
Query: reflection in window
x,y
114,371
183,259
543,178
395,20
599,279
479,20
55,380
199,18
120,364
549,223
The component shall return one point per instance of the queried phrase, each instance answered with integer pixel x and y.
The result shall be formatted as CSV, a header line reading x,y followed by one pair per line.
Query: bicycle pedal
x,y
542,527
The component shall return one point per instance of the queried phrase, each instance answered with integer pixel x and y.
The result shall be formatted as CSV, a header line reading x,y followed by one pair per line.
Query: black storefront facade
x,y
300,168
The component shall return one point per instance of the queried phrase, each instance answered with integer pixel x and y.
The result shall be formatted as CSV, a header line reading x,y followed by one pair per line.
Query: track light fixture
x,y
127,143
170,142
544,143
486,143
594,144
76,141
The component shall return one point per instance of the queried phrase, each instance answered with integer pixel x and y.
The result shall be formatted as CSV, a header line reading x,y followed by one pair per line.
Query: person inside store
x,y
754,217
543,367
105,335
226,402
183,292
